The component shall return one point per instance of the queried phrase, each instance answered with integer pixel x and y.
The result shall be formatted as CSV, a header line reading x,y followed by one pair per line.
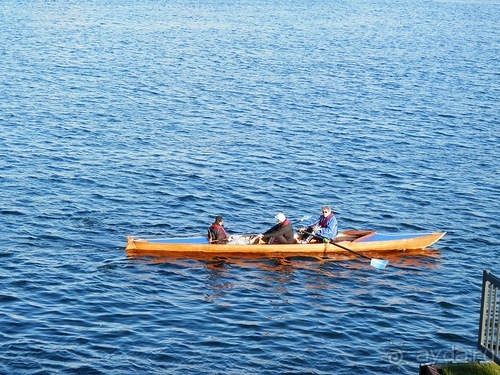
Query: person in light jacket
x,y
325,225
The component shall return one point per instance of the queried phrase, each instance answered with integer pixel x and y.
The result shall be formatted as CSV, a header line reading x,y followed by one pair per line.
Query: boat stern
x,y
131,243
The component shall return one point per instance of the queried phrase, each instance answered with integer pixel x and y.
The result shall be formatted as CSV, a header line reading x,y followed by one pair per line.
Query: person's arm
x,y
221,235
311,224
273,232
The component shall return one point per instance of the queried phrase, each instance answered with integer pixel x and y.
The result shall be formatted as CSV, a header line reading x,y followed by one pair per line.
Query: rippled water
x,y
152,117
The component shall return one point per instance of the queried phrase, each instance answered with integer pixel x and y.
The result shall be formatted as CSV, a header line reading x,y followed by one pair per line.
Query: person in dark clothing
x,y
280,233
216,233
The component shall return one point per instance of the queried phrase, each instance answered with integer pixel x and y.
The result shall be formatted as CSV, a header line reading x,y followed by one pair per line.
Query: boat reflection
x,y
226,275
414,260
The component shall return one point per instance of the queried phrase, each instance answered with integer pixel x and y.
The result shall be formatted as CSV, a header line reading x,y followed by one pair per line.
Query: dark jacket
x,y
282,232
217,234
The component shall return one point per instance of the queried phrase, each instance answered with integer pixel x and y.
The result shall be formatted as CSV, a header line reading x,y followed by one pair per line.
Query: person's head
x,y
219,220
280,217
326,210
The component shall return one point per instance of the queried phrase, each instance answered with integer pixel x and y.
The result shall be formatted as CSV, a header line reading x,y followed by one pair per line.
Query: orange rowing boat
x,y
355,240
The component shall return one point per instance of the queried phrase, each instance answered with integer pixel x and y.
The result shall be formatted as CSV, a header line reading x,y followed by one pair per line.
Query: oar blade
x,y
379,264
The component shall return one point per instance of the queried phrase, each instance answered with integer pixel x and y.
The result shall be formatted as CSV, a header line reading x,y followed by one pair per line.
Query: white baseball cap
x,y
280,217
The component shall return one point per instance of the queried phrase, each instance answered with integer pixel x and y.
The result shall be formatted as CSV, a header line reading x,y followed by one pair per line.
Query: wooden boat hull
x,y
365,241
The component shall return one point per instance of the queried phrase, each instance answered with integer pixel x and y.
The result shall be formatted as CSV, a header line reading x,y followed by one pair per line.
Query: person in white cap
x,y
280,233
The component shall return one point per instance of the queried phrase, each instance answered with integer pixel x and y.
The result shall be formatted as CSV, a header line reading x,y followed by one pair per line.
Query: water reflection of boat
x,y
408,260
359,241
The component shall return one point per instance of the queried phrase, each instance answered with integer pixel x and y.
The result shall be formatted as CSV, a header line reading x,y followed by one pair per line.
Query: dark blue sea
x,y
149,118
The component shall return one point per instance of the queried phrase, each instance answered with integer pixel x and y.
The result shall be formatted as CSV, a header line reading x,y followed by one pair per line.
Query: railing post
x,y
482,315
489,320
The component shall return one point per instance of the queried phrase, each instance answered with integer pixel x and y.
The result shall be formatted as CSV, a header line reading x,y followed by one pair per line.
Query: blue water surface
x,y
151,117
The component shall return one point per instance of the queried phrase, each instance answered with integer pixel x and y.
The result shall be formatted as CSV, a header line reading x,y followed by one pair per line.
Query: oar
x,y
220,241
374,262
307,217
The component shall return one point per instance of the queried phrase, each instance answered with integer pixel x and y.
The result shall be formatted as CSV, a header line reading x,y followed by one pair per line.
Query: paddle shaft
x,y
352,251
220,241
300,220
336,244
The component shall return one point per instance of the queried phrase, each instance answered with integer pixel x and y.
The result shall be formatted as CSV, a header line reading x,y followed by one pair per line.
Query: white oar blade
x,y
378,263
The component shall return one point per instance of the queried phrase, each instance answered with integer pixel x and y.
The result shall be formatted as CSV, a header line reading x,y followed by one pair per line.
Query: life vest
x,y
323,222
